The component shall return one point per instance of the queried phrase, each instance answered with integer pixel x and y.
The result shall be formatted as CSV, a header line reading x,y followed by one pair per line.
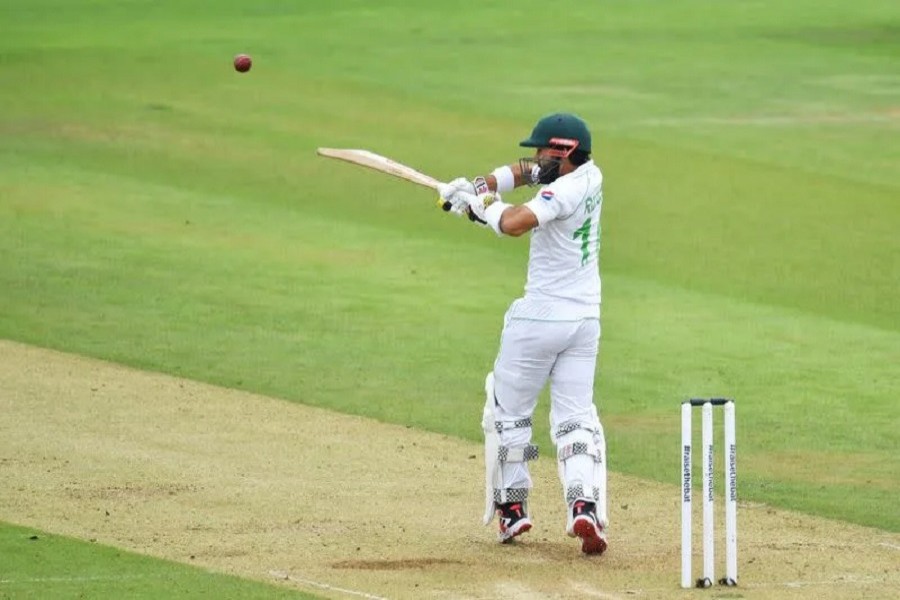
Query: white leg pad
x,y
505,441
581,462
492,474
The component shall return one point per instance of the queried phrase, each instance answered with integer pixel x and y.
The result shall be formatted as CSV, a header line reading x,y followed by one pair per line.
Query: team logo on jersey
x,y
547,195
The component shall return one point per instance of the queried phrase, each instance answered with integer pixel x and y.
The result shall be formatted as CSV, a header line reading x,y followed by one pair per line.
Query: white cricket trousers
x,y
531,353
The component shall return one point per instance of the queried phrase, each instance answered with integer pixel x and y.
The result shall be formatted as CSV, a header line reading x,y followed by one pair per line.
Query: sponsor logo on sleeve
x,y
547,195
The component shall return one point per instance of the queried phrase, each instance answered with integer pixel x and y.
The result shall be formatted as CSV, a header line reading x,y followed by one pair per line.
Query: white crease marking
x,y
324,586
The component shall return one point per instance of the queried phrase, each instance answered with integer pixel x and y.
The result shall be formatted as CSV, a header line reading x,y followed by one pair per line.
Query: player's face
x,y
549,163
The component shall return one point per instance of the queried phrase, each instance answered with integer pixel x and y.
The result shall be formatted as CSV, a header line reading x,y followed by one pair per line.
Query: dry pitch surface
x,y
347,507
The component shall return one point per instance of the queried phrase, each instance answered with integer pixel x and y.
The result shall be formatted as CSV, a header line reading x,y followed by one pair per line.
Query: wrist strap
x,y
492,214
506,180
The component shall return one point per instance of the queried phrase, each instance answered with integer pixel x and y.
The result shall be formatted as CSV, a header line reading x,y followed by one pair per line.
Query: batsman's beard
x,y
543,171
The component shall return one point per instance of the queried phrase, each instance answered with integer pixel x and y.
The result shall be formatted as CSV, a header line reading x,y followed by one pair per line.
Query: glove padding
x,y
454,198
449,200
457,202
478,204
473,205
461,184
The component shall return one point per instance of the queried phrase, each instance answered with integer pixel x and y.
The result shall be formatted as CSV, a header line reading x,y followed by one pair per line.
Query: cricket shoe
x,y
583,524
514,521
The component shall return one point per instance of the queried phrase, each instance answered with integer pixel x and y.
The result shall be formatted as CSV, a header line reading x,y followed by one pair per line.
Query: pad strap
x,y
502,426
570,427
511,495
507,454
576,491
569,450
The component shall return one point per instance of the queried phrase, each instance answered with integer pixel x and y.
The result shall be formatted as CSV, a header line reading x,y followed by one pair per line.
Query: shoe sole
x,y
591,542
522,527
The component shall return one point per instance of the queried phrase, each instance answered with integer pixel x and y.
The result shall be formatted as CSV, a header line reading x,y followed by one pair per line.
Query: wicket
x,y
708,578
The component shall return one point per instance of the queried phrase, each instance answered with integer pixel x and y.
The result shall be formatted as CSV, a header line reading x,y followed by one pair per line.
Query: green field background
x,y
160,210
37,565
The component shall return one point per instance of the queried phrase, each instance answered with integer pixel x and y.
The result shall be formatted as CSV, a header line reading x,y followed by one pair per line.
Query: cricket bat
x,y
377,162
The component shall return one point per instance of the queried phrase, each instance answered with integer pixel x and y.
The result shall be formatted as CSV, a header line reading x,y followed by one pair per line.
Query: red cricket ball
x,y
242,63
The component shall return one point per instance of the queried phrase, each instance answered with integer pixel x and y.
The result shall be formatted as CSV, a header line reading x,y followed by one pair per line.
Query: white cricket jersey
x,y
563,271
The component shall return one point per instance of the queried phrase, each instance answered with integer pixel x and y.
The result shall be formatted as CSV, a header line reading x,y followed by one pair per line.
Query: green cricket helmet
x,y
563,132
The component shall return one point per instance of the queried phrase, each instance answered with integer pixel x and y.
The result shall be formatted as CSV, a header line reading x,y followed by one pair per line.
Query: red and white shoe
x,y
514,521
583,524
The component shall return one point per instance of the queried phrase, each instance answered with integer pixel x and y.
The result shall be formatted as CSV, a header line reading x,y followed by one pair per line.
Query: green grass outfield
x,y
160,210
37,565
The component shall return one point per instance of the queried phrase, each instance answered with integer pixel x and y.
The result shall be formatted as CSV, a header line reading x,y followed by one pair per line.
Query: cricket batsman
x,y
551,333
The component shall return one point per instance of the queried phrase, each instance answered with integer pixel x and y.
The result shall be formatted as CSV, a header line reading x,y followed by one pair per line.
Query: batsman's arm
x,y
508,177
503,179
505,219
517,220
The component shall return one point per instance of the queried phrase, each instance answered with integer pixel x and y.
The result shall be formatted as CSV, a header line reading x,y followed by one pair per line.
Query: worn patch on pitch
x,y
340,505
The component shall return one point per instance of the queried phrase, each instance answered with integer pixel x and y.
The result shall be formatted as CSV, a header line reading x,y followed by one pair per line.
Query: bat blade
x,y
365,158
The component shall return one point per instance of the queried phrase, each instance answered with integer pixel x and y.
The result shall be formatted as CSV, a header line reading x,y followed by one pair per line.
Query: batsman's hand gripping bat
x,y
384,164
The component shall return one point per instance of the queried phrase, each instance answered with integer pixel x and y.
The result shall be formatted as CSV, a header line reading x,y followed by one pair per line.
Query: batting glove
x,y
461,184
451,199
479,204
